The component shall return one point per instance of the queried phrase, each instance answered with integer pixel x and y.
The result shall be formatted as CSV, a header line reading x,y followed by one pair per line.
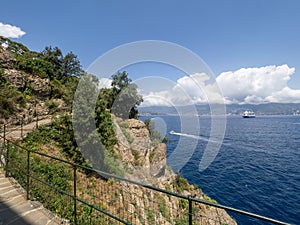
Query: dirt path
x,y
20,132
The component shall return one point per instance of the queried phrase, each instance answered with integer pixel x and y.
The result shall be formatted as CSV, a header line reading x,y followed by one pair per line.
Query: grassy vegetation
x,y
58,134
10,99
127,135
124,126
54,173
181,184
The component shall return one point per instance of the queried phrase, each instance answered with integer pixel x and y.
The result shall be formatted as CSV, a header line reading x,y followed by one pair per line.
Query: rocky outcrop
x,y
135,148
146,163
6,59
33,107
35,90
40,86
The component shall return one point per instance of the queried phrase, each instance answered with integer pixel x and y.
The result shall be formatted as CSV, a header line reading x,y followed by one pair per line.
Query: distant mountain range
x,y
232,109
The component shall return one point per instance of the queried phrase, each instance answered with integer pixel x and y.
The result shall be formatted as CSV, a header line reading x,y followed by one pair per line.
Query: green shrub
x,y
33,64
136,156
52,106
151,156
209,199
1,72
124,124
127,135
181,183
183,204
10,99
150,215
57,89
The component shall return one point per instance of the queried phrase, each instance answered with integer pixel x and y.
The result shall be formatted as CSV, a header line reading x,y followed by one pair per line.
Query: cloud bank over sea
x,y
244,86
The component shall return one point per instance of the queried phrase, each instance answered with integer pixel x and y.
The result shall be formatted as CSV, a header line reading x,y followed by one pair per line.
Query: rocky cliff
x,y
144,159
29,104
146,162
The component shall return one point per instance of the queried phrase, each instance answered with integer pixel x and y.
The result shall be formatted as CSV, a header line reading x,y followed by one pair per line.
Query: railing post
x,y
190,210
4,131
7,151
74,194
28,175
22,128
37,121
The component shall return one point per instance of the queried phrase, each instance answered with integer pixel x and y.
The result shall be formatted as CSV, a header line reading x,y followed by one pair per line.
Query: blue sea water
x,y
257,168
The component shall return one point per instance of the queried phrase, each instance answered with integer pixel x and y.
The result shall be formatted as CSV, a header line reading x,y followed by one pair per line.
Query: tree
x,y
120,81
71,66
105,100
54,56
93,126
64,66
125,96
85,131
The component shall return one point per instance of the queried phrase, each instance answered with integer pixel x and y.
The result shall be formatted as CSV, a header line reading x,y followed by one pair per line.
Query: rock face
x,y
146,162
135,148
6,60
38,87
21,80
34,107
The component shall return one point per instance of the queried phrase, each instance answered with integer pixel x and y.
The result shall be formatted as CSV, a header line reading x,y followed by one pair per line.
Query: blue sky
x,y
228,35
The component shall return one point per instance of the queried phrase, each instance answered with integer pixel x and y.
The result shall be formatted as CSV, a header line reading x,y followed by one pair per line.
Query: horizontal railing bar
x,y
42,154
105,174
11,129
239,211
195,199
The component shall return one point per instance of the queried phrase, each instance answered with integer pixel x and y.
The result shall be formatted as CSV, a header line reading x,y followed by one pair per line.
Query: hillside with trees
x,y
41,84
35,83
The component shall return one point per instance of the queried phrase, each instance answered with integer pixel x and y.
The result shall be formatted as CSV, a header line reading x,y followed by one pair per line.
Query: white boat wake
x,y
211,139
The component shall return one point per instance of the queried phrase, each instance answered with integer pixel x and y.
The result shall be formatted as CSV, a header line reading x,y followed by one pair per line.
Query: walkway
x,y
18,133
16,210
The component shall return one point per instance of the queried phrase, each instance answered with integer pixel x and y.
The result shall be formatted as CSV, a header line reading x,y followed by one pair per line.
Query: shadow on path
x,y
16,210
9,217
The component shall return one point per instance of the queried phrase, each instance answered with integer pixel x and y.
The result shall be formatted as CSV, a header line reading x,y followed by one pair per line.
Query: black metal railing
x,y
76,193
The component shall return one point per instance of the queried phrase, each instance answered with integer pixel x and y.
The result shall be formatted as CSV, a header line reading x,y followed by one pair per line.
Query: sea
x,y
257,168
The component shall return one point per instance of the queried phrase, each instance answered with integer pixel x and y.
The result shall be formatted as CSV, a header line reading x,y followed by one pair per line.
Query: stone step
x,y
16,210
12,202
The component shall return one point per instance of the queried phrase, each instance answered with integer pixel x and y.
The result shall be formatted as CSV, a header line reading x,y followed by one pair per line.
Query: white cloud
x,y
104,83
286,95
193,89
10,31
258,85
246,85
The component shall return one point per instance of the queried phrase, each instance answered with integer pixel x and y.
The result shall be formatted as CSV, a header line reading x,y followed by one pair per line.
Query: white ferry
x,y
248,114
